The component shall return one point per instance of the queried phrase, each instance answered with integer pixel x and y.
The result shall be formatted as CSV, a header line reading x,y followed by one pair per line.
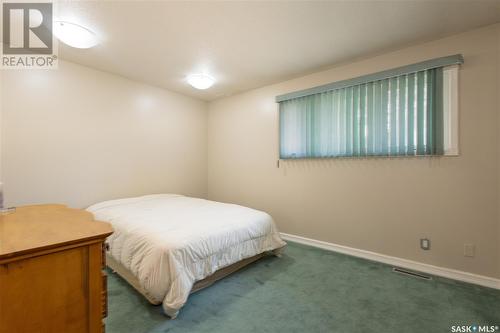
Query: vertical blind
x,y
392,113
399,115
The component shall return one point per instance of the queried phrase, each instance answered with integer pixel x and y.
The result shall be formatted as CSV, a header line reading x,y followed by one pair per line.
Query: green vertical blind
x,y
398,115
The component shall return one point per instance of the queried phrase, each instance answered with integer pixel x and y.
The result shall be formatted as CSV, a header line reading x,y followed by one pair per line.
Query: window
x,y
408,111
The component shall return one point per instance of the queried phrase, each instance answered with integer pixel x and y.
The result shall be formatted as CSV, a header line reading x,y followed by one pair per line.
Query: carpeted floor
x,y
311,290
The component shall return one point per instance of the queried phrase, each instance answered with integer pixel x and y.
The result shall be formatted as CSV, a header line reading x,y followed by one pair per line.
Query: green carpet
x,y
311,290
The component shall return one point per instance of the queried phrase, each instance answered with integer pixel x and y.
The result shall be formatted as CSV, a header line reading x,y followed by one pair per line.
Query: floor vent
x,y
410,273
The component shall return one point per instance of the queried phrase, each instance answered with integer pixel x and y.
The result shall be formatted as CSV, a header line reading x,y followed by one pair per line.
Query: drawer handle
x,y
104,295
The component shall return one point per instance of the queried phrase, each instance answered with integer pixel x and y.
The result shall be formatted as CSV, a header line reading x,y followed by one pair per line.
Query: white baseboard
x,y
484,281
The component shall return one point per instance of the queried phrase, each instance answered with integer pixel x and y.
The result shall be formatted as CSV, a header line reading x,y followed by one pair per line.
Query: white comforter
x,y
170,241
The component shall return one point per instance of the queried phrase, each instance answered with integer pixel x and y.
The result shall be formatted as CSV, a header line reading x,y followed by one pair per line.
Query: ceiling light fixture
x,y
75,35
200,81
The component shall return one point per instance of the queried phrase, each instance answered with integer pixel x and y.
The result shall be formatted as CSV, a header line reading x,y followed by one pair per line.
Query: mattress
x,y
169,241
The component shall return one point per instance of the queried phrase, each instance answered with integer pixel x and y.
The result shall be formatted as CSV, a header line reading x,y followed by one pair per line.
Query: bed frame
x,y
206,282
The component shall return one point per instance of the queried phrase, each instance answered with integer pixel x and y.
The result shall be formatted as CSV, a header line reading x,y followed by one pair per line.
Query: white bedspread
x,y
171,241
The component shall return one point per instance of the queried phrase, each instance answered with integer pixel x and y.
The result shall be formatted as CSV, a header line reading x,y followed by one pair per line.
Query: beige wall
x,y
381,205
77,136
498,148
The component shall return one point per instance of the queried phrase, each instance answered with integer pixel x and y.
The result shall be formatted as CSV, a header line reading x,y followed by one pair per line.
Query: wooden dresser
x,y
51,271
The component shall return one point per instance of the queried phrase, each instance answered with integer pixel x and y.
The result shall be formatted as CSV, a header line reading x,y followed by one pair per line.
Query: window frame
x,y
450,111
451,146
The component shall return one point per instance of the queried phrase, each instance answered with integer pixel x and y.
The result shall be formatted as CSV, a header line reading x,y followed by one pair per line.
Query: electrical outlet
x,y
469,250
425,244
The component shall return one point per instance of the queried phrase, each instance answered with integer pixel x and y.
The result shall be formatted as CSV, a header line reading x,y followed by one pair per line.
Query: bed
x,y
167,246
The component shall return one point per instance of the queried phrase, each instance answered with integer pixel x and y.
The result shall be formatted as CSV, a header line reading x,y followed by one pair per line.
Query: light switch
x,y
469,250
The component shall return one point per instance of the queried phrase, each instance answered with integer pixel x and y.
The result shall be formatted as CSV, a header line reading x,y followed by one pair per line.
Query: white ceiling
x,y
245,45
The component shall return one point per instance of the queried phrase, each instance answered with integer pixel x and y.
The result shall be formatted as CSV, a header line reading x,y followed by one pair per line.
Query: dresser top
x,y
43,227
